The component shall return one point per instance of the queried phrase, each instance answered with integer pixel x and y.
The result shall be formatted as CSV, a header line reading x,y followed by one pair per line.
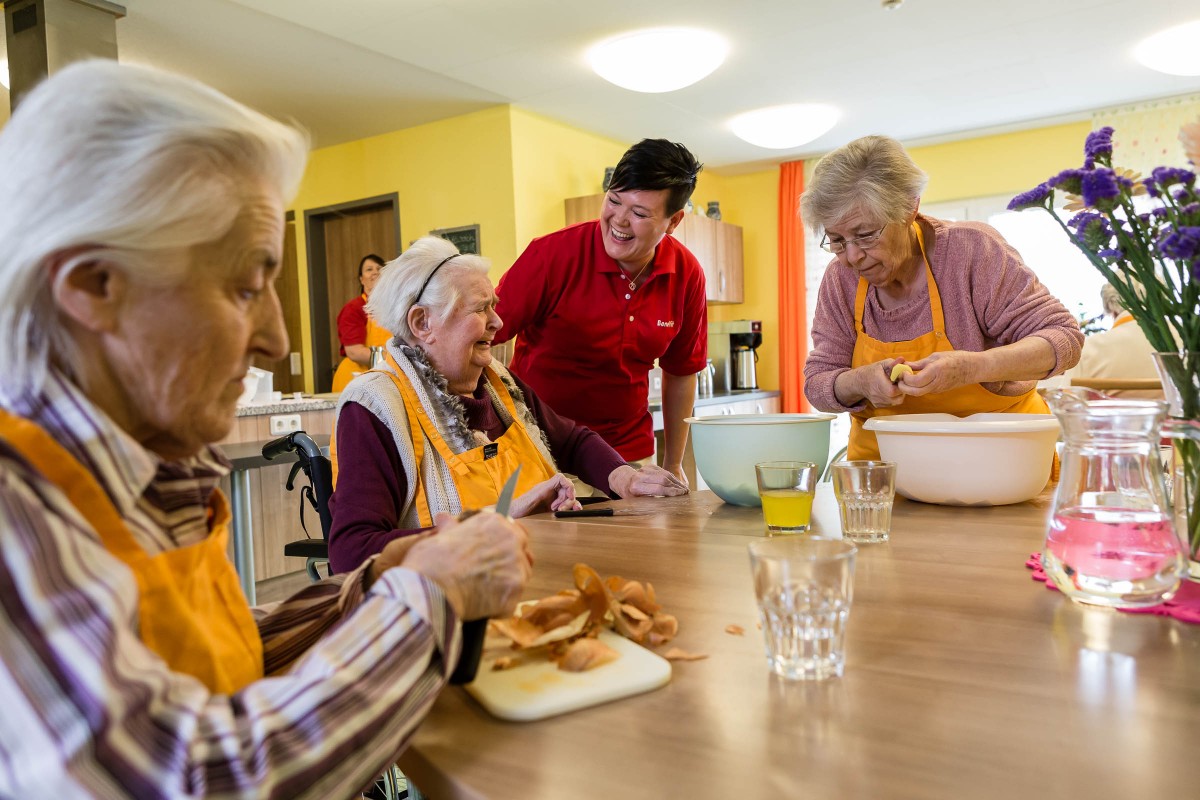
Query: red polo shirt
x,y
586,342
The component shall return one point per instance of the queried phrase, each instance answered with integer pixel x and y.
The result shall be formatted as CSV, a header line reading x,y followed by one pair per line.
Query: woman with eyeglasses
x,y
952,300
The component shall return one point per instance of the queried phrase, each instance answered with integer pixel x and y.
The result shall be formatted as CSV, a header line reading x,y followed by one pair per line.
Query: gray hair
x,y
401,280
136,165
1113,304
873,175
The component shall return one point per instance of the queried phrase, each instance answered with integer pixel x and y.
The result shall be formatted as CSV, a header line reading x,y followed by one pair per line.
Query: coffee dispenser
x,y
733,348
744,347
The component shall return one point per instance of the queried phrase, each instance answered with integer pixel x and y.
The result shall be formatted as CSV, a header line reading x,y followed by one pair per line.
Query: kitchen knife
x,y
474,630
599,512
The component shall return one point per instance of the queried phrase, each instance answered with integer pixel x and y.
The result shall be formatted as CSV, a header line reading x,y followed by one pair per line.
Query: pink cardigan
x,y
990,298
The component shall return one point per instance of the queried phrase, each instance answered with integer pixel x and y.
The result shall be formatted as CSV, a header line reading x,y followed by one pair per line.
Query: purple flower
x,y
1034,197
1112,254
1099,188
1068,180
1099,143
1169,176
1092,230
1182,244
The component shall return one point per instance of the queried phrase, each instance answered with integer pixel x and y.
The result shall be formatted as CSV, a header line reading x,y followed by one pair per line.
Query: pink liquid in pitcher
x,y
1113,556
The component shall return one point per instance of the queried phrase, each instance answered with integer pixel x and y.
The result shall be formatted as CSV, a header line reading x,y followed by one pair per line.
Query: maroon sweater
x,y
371,483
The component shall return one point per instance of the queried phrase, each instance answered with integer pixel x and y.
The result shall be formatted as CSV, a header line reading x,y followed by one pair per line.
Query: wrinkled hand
x,y
481,564
555,494
649,481
940,372
875,383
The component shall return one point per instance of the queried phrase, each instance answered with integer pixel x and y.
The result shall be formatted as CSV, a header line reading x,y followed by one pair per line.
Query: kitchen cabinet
x,y
716,245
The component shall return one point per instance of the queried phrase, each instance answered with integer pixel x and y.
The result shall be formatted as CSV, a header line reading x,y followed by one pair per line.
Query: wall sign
x,y
466,238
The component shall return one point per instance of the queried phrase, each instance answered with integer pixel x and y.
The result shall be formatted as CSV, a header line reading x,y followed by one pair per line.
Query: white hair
x,y
401,280
1111,299
134,164
873,175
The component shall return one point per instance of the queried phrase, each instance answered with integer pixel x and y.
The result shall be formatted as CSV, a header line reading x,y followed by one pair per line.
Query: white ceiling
x,y
928,71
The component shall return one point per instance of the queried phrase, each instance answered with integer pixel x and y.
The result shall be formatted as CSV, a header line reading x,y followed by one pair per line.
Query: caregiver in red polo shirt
x,y
594,304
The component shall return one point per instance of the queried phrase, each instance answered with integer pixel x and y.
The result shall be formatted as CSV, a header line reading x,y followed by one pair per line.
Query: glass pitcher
x,y
1111,540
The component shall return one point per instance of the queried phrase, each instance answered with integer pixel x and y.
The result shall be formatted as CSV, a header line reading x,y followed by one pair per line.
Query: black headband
x,y
429,277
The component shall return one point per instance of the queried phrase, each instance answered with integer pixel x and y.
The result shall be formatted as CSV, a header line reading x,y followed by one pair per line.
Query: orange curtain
x,y
793,316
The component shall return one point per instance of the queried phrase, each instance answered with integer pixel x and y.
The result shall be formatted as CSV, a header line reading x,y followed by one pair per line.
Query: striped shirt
x,y
87,711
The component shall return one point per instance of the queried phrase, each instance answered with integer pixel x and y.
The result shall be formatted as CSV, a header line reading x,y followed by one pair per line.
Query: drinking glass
x,y
865,491
786,489
804,585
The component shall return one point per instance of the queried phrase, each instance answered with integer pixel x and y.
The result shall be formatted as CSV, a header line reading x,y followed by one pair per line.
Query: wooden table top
x,y
964,678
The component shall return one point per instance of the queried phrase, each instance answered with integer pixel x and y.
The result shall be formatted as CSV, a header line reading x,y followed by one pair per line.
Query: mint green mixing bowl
x,y
728,447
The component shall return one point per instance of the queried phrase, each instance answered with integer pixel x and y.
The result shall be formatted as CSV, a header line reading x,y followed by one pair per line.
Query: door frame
x,y
318,277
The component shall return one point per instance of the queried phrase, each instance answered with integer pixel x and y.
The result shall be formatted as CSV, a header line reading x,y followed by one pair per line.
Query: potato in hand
x,y
900,370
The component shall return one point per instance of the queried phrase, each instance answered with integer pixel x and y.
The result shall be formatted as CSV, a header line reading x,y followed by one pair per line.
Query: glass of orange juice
x,y
786,489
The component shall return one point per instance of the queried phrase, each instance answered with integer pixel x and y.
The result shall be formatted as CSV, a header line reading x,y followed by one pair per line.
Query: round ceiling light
x,y
658,59
781,127
1172,51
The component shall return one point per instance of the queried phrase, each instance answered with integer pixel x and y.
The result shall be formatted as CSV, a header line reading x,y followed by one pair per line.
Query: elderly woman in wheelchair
x,y
441,426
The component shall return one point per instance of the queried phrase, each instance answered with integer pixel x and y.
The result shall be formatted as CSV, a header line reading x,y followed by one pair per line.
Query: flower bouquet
x,y
1149,250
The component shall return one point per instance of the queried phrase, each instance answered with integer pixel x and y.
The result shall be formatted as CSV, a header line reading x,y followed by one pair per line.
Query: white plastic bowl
x,y
727,448
980,460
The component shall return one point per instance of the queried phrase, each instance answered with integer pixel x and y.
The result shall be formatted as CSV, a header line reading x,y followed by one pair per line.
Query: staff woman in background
x,y
357,332
953,300
441,426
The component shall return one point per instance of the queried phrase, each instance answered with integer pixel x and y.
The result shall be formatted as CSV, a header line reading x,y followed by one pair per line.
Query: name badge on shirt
x,y
490,450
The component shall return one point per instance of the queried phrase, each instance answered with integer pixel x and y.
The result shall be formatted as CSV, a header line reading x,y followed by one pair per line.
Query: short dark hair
x,y
654,164
365,259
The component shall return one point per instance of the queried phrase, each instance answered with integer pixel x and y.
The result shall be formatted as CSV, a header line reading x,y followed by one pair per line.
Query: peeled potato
x,y
899,370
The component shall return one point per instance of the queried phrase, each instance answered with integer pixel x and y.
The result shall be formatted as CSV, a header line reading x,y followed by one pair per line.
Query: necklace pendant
x,y
632,286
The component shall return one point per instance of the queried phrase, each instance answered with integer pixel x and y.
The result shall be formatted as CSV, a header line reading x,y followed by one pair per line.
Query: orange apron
x,y
962,402
478,474
191,610
376,337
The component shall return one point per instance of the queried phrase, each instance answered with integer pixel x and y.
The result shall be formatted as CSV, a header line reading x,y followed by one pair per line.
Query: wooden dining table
x,y
964,678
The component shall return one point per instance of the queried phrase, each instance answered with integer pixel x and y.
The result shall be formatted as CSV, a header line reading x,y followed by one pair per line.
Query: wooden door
x,y
338,238
289,374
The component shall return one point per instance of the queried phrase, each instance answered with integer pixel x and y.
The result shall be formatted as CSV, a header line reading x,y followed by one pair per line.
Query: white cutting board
x,y
539,689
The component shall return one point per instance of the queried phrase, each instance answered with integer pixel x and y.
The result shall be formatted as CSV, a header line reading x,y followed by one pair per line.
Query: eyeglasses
x,y
864,242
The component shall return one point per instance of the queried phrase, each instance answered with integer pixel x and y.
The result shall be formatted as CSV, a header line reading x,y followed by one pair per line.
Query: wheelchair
x,y
317,467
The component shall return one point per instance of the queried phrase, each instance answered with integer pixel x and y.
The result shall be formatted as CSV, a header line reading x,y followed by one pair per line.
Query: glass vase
x,y
1180,373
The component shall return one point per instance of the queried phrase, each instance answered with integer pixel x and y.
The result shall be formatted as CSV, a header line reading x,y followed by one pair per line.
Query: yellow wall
x,y
551,162
752,202
509,171
448,173
1002,164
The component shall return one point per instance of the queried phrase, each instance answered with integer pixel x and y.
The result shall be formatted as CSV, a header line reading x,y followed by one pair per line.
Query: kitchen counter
x,y
720,398
289,405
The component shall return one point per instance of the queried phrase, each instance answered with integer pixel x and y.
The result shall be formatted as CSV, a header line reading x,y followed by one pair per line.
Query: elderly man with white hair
x,y
140,240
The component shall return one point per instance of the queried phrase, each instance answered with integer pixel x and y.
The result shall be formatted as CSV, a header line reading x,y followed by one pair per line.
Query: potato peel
x,y
564,621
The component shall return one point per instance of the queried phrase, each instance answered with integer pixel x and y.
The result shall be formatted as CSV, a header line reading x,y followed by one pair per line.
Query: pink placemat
x,y
1184,606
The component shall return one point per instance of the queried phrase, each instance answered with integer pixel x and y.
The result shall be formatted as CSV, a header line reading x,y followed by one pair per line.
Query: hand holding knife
x,y
475,630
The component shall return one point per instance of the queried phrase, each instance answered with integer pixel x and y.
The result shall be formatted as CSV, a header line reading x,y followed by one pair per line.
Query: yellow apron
x,y
962,402
191,610
376,337
478,474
